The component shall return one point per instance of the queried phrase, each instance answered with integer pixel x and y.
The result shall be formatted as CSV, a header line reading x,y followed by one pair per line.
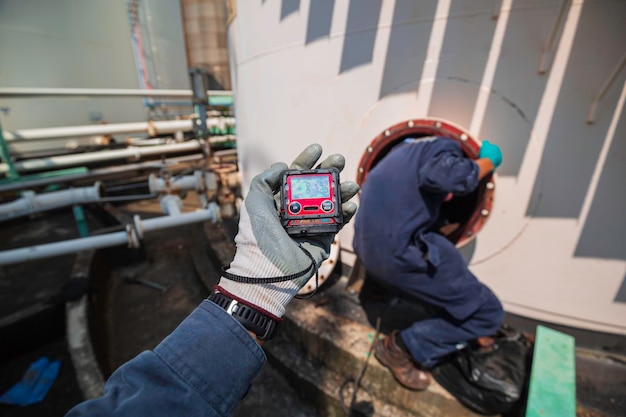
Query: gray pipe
x,y
30,203
13,92
99,173
130,237
153,128
55,162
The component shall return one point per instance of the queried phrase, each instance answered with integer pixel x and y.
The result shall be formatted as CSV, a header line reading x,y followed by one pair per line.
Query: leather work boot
x,y
400,363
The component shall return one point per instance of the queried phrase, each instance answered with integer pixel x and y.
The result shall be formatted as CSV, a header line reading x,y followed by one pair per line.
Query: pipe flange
x,y
138,226
215,209
133,238
200,181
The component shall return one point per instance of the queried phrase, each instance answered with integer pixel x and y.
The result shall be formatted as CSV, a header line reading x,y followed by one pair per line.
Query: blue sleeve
x,y
446,170
203,368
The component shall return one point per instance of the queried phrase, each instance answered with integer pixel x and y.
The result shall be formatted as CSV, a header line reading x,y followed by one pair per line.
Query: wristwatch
x,y
264,327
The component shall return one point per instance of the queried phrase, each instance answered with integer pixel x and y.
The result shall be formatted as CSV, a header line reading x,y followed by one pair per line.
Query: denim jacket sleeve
x,y
203,368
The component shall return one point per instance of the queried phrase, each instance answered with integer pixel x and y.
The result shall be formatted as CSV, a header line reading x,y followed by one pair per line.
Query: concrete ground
x,y
322,350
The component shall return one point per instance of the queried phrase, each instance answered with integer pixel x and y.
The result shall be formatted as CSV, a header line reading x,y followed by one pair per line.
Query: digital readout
x,y
309,187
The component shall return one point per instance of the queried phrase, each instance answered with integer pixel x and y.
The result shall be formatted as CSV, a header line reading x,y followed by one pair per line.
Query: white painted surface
x,y
83,44
290,93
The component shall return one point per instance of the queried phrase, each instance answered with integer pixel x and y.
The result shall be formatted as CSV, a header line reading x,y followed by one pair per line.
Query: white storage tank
x,y
543,79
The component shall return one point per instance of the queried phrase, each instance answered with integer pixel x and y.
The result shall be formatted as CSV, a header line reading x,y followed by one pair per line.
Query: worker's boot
x,y
400,363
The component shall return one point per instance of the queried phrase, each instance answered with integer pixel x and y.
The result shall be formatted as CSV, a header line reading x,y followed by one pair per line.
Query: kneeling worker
x,y
398,241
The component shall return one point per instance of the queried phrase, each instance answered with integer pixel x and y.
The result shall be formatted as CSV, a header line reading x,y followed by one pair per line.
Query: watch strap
x,y
263,326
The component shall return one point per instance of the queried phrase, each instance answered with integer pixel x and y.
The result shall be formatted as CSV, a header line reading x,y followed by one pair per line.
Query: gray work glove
x,y
264,249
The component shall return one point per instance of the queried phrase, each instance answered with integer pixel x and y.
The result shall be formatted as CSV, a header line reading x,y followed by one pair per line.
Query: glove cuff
x,y
270,294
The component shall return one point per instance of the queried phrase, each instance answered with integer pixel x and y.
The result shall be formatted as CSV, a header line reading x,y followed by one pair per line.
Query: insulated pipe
x,y
130,236
99,173
31,203
146,226
153,128
187,182
12,92
54,162
171,204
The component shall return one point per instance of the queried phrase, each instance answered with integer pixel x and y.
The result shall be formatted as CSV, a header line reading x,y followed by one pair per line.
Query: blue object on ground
x,y
35,383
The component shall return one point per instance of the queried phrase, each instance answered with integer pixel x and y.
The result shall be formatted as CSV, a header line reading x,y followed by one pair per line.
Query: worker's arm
x,y
489,158
485,167
448,171
206,365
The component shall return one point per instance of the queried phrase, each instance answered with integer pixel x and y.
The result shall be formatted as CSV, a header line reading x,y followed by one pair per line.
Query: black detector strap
x,y
263,326
271,280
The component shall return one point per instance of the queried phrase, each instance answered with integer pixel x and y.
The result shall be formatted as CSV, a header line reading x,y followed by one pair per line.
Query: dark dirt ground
x,y
133,317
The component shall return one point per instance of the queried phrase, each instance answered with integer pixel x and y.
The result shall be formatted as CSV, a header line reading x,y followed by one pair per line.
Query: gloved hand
x,y
491,152
264,249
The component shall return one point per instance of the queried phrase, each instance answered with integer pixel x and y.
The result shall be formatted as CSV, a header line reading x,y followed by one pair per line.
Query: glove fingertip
x,y
349,210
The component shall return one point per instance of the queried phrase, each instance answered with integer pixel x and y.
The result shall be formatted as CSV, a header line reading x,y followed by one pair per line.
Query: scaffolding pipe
x,y
31,203
152,128
130,237
91,157
14,92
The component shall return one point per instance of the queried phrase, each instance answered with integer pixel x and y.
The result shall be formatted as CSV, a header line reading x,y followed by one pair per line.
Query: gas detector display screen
x,y
310,186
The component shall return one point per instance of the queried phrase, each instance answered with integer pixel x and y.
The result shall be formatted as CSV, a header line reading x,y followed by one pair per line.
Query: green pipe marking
x,y
218,100
81,223
6,156
47,174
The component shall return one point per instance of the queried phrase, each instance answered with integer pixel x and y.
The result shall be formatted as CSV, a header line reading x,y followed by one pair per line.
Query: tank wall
x,y
79,44
340,72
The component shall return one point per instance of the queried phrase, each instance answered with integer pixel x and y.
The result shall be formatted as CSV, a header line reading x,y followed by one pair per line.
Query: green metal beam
x,y
47,174
552,390
218,100
6,156
81,223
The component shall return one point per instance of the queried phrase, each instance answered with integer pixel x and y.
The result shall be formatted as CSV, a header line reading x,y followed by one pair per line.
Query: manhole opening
x,y
470,211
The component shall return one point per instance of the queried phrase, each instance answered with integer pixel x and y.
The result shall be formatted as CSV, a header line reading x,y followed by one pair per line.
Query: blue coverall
x,y
396,240
203,368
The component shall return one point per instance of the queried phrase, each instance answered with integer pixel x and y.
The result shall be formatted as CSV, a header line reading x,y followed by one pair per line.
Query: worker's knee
x,y
491,313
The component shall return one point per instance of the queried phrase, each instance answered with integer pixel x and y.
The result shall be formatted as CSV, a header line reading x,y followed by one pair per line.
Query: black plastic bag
x,y
490,376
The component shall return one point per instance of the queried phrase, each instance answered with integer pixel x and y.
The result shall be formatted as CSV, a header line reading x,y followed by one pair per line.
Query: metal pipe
x,y
196,182
86,158
14,92
146,226
548,46
98,173
171,204
594,103
62,248
6,156
31,203
130,236
153,128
